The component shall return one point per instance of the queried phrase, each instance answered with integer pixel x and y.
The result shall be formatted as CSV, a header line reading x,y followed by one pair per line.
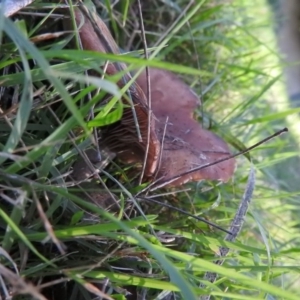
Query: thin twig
x,y
186,213
148,90
164,183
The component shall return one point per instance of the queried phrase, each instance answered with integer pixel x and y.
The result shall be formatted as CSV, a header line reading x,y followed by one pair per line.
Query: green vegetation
x,y
52,236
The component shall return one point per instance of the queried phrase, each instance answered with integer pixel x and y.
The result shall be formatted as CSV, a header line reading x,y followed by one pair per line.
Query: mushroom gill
x,y
121,137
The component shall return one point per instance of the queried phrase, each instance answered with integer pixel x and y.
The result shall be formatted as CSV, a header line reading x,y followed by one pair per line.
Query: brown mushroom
x,y
185,144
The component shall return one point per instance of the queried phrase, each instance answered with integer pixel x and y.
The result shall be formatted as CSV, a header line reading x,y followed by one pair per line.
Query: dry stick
x,y
235,228
164,183
148,90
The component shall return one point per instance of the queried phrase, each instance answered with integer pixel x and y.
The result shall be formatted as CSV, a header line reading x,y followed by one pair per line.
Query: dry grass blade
x,y
148,93
94,290
19,286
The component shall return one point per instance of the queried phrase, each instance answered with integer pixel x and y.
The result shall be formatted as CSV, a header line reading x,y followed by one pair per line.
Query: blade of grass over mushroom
x,y
107,117
38,74
137,62
98,82
110,12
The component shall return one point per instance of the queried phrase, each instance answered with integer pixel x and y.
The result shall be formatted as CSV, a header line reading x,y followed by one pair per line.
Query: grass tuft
x,y
56,243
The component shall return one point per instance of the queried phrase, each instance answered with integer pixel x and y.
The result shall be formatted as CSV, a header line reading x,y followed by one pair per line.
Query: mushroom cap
x,y
185,144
